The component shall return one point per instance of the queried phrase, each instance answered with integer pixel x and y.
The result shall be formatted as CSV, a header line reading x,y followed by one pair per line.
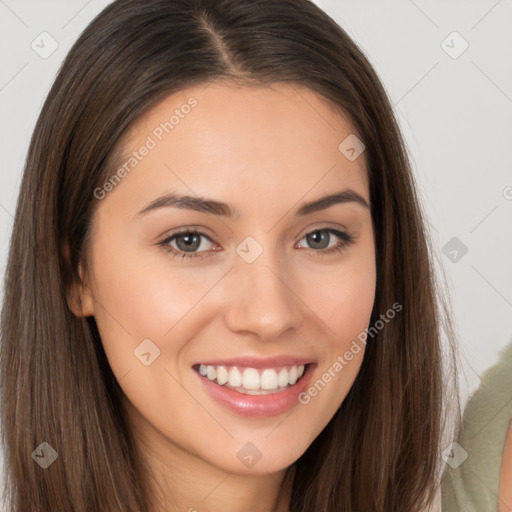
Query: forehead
x,y
224,140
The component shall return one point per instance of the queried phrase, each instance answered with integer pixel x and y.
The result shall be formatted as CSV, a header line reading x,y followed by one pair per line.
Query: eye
x,y
320,238
188,242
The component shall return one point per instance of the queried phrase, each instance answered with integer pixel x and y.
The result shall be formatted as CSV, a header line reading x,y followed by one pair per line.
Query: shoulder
x,y
506,475
473,482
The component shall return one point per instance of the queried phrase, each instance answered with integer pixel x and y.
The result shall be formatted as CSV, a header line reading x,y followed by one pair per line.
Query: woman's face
x,y
253,299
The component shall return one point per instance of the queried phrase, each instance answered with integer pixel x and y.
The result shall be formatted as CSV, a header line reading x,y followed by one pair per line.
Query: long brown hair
x,y
380,451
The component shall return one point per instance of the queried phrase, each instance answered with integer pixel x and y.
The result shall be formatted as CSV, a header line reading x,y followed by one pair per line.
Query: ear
x,y
79,297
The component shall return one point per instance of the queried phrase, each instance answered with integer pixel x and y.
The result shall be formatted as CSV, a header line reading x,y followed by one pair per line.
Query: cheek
x,y
342,296
343,299
349,301
148,300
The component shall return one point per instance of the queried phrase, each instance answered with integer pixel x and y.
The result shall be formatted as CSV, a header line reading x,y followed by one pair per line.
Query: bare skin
x,y
265,152
506,475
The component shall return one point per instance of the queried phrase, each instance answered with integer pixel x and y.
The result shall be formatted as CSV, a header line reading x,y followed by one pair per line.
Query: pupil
x,y
189,241
318,237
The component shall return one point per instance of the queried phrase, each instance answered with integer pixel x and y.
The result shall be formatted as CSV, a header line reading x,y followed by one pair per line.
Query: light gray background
x,y
455,114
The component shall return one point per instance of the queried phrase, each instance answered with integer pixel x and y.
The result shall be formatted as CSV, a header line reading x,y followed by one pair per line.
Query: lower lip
x,y
258,405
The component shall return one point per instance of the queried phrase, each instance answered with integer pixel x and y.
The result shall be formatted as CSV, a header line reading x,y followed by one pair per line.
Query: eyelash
x,y
346,240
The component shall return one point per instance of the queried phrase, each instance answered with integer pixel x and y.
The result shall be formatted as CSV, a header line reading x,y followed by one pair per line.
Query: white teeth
x,y
211,373
269,379
235,378
222,375
283,378
251,380
292,375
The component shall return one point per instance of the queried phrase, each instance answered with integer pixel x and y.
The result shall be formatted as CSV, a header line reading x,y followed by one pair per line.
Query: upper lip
x,y
259,362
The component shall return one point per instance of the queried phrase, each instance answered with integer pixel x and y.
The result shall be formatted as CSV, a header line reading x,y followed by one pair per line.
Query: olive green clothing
x,y
474,485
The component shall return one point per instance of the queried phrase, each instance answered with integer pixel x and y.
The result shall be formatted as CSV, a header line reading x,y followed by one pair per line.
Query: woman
x,y
174,338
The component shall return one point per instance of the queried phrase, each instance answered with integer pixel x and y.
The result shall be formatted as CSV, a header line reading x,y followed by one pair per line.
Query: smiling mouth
x,y
253,381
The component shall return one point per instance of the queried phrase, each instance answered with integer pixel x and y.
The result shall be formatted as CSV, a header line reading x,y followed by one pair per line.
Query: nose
x,y
262,299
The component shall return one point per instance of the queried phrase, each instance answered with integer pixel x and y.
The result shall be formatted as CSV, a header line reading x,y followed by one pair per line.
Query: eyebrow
x,y
205,205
